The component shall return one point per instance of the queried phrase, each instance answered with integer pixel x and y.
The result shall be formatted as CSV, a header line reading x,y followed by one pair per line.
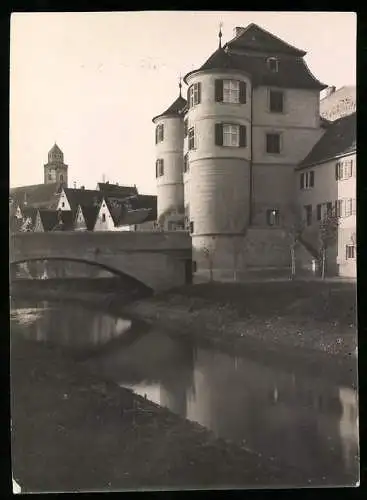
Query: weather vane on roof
x,y
180,83
220,34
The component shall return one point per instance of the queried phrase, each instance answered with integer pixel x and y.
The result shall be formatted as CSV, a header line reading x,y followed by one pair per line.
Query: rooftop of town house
x,y
36,195
116,191
138,216
339,139
89,214
81,196
51,219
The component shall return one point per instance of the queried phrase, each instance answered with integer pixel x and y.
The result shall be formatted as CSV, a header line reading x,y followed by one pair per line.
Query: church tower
x,y
55,170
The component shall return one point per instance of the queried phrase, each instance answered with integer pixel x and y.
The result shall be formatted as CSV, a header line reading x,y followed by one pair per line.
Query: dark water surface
x,y
298,420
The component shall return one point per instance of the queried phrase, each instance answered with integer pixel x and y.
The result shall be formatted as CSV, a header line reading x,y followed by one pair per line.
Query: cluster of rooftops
x,y
38,204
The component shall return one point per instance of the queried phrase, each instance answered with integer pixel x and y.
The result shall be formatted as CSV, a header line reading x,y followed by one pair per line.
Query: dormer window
x,y
273,64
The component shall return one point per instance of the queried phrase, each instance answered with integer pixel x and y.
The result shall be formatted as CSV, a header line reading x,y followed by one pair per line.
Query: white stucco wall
x,y
63,203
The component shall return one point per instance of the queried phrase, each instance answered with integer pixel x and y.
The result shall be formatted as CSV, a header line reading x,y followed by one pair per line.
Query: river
x,y
297,419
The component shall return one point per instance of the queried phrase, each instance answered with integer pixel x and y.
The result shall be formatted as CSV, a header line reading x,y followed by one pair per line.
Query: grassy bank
x,y
314,322
72,432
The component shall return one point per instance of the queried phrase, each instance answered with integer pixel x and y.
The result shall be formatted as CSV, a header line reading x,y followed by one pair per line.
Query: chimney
x,y
238,30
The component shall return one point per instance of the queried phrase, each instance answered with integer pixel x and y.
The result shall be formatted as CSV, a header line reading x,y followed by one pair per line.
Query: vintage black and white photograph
x,y
183,248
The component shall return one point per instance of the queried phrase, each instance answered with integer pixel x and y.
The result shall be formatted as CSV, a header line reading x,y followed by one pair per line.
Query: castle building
x,y
252,115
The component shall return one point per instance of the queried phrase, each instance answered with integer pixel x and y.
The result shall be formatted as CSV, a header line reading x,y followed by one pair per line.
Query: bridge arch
x,y
128,279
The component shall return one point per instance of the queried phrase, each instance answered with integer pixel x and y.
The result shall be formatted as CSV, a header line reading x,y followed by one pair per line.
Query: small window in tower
x,y
63,204
194,94
273,64
191,143
186,163
159,133
350,251
231,135
191,227
231,91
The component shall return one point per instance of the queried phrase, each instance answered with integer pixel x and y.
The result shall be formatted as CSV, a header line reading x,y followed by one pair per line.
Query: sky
x,y
92,82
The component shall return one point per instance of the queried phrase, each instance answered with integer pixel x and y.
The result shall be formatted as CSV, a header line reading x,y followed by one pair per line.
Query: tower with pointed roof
x,y
252,115
169,138
55,170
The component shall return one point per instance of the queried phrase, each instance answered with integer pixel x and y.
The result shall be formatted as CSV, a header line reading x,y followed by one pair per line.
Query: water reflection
x,y
300,420
67,325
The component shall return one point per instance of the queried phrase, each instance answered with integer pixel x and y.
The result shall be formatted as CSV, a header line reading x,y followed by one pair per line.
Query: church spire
x,y
220,34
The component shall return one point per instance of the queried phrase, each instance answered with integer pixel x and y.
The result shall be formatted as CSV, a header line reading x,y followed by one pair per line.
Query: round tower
x,y
169,137
217,166
55,170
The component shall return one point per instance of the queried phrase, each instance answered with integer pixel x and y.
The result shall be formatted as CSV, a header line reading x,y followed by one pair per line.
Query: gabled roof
x,y
30,212
145,201
175,109
85,197
135,217
255,38
36,195
51,222
339,139
90,215
292,72
116,191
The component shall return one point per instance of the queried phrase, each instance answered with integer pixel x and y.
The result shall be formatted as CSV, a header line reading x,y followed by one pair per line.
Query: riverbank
x,y
309,322
73,432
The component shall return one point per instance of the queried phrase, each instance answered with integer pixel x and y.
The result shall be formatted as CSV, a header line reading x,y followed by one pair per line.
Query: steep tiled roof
x,y
255,38
135,217
116,191
90,216
292,72
50,220
84,197
175,109
339,139
147,201
37,195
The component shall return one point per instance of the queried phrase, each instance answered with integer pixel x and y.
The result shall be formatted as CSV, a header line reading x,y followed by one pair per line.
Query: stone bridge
x,y
158,260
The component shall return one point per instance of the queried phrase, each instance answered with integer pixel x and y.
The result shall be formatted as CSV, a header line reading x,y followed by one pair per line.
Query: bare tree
x,y
294,225
328,232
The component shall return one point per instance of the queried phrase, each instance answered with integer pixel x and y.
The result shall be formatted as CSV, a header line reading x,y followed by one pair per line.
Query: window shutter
x,y
185,128
243,142
156,168
162,133
337,171
199,92
219,90
301,181
219,134
312,178
188,96
243,92
156,135
162,167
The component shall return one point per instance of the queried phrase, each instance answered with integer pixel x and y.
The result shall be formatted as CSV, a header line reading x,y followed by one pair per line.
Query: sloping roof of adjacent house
x,y
90,215
145,201
253,37
116,191
292,72
84,197
134,217
175,109
37,195
51,222
339,139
